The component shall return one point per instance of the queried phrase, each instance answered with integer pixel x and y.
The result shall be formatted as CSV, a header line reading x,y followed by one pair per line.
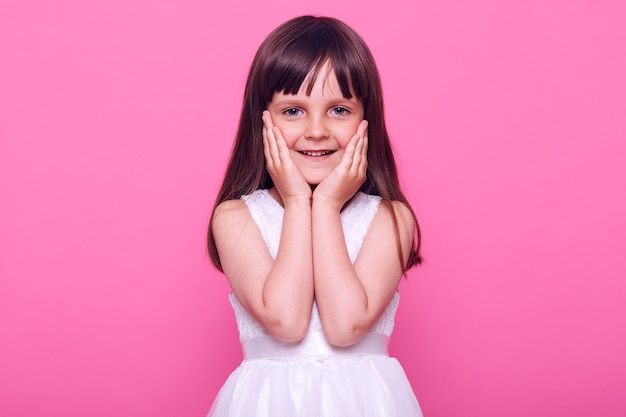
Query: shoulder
x,y
230,208
395,208
393,227
236,214
403,213
397,215
239,206
229,215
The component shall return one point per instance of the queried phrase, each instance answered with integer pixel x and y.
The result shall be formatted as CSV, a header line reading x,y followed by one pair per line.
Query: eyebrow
x,y
287,99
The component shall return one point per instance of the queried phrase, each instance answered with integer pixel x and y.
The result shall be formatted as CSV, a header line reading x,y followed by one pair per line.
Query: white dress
x,y
312,378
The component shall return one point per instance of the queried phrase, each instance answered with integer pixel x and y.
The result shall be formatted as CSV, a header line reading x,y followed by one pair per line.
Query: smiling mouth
x,y
316,153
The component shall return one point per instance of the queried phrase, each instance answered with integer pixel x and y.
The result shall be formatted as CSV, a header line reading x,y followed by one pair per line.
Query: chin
x,y
316,178
314,182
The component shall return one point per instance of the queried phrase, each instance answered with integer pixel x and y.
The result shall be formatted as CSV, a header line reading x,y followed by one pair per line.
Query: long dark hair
x,y
293,50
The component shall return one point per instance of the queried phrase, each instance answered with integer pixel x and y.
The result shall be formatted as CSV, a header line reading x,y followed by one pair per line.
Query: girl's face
x,y
317,127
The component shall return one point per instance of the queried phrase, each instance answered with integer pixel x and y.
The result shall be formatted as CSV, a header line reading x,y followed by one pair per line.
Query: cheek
x,y
290,133
347,132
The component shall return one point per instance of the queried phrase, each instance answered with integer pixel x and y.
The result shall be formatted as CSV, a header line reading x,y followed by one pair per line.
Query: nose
x,y
316,128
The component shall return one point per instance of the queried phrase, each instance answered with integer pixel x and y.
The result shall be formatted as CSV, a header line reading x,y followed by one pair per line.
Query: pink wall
x,y
116,119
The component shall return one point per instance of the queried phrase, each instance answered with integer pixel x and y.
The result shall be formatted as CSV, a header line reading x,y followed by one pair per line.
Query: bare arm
x,y
277,293
351,297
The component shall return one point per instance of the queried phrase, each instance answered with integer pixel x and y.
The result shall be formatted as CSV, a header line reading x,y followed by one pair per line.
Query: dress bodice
x,y
356,217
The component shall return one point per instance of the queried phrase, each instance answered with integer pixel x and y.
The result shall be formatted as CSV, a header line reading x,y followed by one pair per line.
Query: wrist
x,y
326,203
297,200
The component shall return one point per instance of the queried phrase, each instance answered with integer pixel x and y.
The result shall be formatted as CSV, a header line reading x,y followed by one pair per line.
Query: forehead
x,y
321,81
291,78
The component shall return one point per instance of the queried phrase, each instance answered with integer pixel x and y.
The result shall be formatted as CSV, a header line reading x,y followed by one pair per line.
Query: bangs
x,y
297,59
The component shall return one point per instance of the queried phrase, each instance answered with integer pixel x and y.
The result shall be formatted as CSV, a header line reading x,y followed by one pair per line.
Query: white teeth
x,y
316,153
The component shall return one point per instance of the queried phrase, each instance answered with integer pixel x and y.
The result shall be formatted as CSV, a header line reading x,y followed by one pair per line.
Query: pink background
x,y
116,119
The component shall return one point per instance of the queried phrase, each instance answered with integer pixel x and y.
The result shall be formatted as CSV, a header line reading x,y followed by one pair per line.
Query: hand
x,y
347,177
287,178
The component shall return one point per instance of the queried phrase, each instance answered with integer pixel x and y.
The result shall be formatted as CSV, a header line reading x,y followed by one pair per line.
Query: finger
x,y
281,143
266,145
358,156
363,165
266,149
271,139
277,140
362,128
348,154
360,148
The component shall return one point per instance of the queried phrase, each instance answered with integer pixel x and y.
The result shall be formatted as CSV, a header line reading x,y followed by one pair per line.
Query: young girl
x,y
313,233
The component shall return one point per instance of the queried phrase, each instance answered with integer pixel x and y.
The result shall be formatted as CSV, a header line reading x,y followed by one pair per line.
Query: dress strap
x,y
313,345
